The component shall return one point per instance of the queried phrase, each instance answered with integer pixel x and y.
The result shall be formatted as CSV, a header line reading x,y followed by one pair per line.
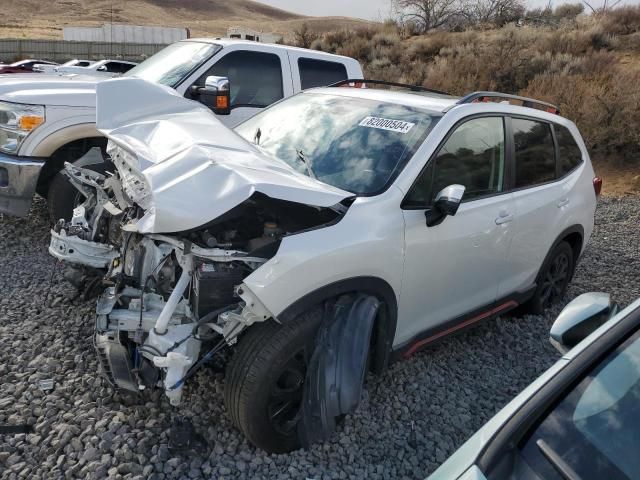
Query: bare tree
x,y
498,12
427,14
604,8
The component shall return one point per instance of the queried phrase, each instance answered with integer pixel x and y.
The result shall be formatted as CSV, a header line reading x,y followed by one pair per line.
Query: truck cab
x,y
48,120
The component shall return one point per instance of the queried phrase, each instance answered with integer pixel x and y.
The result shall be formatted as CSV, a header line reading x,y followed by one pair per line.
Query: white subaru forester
x,y
327,235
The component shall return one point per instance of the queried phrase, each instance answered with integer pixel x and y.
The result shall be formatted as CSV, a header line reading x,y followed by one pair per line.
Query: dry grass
x,y
45,19
590,68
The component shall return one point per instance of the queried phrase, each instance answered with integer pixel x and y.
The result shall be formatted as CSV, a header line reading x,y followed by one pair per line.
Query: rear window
x,y
570,153
355,144
320,73
535,152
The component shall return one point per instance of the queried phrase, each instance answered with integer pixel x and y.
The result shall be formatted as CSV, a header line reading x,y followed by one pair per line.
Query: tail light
x,y
597,185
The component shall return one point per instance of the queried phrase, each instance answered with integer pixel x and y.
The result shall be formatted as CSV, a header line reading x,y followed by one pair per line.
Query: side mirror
x,y
216,94
446,203
103,68
581,317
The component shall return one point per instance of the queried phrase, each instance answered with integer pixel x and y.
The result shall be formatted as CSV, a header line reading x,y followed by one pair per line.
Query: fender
x,y
386,322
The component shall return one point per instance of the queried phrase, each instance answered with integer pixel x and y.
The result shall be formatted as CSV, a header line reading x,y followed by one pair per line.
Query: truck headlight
x,y
18,120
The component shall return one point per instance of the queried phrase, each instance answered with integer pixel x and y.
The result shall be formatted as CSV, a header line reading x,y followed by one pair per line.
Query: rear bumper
x,y
18,180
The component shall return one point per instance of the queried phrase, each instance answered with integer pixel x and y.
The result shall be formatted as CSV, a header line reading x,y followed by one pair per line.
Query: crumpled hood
x,y
195,168
49,89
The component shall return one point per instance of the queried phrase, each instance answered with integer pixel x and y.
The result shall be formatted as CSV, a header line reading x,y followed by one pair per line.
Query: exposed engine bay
x,y
168,302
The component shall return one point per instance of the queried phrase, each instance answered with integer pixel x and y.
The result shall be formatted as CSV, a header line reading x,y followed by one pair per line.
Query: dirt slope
x,y
45,19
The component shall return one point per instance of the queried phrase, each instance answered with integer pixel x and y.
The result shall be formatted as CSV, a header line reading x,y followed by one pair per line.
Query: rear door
x,y
541,200
314,72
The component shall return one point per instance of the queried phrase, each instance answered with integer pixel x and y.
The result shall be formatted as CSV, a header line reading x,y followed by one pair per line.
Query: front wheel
x,y
265,378
553,278
63,197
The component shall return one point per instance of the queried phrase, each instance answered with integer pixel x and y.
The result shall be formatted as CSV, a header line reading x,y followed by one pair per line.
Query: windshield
x,y
172,64
355,144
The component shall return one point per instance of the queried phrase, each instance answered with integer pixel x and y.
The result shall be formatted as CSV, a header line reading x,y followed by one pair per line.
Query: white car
x,y
580,418
334,231
101,68
52,68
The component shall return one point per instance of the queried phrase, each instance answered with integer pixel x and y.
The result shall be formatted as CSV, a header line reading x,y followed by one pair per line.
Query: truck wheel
x,y
553,279
264,381
62,197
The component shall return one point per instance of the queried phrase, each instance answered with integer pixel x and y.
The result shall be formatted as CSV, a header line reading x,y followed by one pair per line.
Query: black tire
x,y
266,375
62,197
553,279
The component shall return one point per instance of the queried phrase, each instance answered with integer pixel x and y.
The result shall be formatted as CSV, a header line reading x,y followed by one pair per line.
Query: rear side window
x,y
320,73
255,77
535,152
570,154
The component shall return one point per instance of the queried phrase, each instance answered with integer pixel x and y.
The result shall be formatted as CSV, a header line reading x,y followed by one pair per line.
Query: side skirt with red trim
x,y
430,336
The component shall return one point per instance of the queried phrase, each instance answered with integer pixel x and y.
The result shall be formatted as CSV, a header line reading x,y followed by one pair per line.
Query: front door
x,y
454,268
257,79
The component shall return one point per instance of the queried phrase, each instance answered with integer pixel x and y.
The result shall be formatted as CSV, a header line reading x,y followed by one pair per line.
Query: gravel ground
x,y
409,421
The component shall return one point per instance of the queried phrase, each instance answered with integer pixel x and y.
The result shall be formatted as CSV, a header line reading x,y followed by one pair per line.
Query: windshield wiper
x,y
556,461
303,158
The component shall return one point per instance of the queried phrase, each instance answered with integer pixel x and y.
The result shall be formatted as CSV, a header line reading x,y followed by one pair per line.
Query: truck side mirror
x,y
447,202
216,94
581,317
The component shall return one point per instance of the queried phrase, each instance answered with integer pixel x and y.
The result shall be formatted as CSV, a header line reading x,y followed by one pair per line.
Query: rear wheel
x,y
553,278
265,378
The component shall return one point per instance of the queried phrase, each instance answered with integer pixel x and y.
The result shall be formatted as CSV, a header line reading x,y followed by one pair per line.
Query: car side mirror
x,y
446,204
103,68
216,94
581,317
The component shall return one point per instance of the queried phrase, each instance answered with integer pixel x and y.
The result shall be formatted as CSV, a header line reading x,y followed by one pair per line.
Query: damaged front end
x,y
167,298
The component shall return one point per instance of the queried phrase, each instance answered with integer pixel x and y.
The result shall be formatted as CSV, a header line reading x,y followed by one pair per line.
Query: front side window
x,y
255,77
320,73
473,156
569,152
173,64
595,429
535,152
356,144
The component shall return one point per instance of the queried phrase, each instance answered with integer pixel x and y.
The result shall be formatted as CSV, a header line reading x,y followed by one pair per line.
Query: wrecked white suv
x,y
336,230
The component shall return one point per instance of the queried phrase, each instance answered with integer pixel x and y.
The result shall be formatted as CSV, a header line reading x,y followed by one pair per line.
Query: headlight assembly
x,y
17,120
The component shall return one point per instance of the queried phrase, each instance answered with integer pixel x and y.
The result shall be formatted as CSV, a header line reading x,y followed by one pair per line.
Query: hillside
x,y
45,19
589,67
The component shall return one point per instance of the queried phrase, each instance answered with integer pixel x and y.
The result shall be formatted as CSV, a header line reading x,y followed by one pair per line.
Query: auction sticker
x,y
387,124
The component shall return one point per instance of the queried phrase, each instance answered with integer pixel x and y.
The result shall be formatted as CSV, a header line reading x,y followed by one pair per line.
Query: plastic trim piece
x,y
337,367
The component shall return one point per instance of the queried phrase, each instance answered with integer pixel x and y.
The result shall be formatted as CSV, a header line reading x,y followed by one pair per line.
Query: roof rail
x,y
361,83
526,102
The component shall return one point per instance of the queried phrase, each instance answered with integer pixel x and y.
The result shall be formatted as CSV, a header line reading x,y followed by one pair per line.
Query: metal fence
x,y
62,50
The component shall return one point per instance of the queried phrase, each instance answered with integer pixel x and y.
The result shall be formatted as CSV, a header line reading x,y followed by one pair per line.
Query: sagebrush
x,y
589,67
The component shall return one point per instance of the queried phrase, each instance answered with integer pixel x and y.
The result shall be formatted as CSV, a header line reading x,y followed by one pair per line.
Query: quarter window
x,y
472,156
255,77
319,73
570,153
535,152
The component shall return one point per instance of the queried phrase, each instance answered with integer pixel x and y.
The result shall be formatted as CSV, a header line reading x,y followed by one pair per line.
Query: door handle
x,y
563,202
504,217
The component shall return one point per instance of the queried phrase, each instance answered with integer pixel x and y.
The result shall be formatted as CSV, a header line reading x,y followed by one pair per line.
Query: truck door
x,y
258,76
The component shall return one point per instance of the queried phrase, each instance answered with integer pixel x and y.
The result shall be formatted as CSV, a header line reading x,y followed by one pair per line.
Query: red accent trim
x,y
477,318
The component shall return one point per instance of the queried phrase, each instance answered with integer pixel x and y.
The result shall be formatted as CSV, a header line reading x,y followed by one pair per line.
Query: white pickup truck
x,y
46,120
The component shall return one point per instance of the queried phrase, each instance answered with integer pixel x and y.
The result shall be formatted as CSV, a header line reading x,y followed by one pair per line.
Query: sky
x,y
371,9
